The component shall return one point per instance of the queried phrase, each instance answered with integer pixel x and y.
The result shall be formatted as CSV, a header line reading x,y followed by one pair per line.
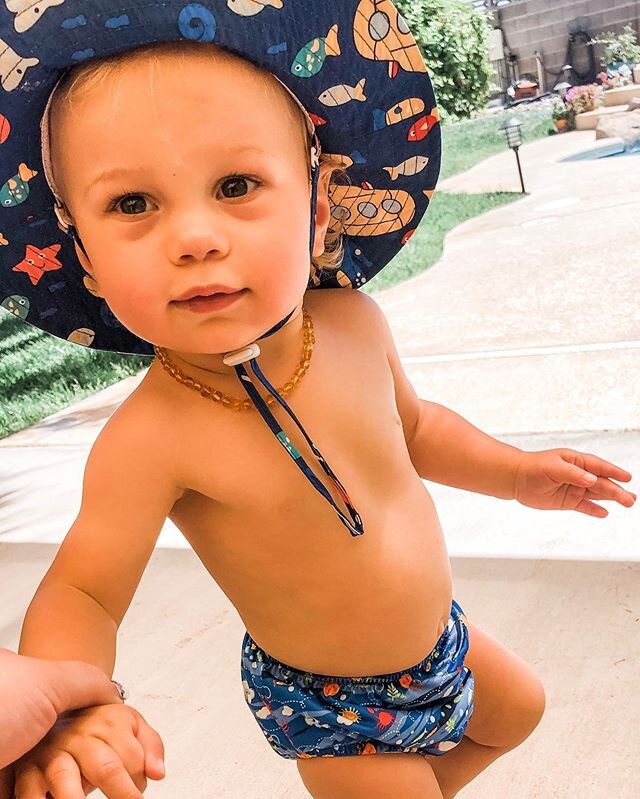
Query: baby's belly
x,y
340,605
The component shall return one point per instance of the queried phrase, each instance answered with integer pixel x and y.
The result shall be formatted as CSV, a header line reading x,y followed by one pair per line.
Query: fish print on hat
x,y
13,67
5,129
339,95
423,126
310,58
16,189
16,305
409,167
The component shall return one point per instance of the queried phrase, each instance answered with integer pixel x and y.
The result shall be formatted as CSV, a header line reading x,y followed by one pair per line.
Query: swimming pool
x,y
606,149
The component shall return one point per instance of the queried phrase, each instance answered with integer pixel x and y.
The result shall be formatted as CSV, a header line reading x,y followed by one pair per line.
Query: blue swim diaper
x,y
423,709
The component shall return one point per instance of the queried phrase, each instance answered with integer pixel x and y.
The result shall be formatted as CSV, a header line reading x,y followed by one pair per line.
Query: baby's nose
x,y
197,237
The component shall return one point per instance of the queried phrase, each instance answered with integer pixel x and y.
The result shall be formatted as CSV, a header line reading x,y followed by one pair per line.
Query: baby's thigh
x,y
509,698
403,774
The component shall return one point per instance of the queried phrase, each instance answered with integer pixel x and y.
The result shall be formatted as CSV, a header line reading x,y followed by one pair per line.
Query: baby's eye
x,y
131,205
237,185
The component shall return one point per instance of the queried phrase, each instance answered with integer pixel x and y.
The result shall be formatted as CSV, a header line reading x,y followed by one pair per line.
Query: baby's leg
x,y
380,776
509,702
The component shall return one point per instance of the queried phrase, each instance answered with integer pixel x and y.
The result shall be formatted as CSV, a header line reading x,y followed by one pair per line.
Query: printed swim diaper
x,y
423,709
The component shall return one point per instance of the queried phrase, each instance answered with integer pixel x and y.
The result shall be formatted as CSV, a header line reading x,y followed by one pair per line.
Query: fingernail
x,y
160,765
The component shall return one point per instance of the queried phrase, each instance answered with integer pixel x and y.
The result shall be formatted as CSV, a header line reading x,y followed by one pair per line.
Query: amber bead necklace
x,y
236,404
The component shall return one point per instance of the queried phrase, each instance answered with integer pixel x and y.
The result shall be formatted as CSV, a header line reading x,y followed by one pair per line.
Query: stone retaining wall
x,y
544,25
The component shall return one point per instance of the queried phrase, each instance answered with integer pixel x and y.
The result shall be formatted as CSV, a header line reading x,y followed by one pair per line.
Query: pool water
x,y
604,152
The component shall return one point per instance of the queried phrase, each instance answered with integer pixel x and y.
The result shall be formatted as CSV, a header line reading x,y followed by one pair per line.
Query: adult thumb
x,y
153,749
79,684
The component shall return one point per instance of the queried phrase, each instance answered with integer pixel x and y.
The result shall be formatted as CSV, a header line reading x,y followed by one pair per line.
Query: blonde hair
x,y
87,76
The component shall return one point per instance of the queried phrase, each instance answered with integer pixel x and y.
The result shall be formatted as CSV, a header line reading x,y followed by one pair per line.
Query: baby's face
x,y
194,178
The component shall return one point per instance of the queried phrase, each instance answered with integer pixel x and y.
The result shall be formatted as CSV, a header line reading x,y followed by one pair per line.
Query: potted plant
x,y
619,48
563,117
581,99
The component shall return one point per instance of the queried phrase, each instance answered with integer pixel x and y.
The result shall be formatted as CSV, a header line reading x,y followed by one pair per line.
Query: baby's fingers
x,y
30,782
63,778
152,746
105,770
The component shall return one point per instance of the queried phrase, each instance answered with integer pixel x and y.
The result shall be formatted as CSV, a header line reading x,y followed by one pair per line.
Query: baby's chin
x,y
216,346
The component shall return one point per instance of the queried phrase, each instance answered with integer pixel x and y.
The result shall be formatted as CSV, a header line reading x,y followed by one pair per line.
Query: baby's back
x,y
309,593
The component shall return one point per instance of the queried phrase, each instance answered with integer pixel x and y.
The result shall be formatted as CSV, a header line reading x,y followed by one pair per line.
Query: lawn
x,y
466,143
40,374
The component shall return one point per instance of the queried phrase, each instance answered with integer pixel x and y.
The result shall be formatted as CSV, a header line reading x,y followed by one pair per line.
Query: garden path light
x,y
511,128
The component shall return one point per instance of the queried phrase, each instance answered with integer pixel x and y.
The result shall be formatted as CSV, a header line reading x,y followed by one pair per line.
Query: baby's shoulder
x,y
146,417
348,308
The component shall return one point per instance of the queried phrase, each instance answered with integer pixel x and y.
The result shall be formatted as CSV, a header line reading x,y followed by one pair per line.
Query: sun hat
x,y
353,65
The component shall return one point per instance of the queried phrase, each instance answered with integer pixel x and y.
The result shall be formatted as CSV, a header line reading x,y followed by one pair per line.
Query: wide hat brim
x,y
353,64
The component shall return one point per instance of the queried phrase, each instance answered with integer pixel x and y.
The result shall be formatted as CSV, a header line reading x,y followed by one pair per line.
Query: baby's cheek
x,y
137,305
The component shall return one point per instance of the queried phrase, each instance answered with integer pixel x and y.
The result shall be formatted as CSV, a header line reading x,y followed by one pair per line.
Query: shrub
x,y
619,46
453,38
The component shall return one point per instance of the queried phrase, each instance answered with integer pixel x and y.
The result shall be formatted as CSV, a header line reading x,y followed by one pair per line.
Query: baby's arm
x,y
446,448
128,491
443,447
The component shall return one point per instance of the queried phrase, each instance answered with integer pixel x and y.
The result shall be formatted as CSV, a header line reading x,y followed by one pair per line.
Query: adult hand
x,y
34,692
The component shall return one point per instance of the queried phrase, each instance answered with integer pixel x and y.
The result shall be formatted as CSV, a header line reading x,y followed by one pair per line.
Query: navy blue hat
x,y
353,65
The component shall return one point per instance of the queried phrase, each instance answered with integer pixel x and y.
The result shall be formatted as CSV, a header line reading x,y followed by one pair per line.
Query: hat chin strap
x,y
244,354
250,353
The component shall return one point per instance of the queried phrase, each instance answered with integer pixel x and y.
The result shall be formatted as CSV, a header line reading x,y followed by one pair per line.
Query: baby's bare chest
x,y
273,543
233,465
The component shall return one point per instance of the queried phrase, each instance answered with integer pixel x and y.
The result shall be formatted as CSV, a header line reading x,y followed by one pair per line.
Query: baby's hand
x,y
98,747
556,479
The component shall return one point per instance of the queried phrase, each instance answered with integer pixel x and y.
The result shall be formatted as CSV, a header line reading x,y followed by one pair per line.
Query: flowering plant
x,y
560,111
584,98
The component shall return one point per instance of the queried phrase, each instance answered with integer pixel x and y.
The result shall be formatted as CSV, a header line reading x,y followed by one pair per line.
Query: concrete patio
x,y
529,327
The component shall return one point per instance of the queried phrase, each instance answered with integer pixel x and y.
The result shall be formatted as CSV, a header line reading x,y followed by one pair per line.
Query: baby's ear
x,y
326,170
323,211
88,268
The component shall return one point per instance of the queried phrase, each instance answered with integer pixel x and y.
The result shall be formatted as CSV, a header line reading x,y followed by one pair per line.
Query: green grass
x,y
40,374
424,248
466,143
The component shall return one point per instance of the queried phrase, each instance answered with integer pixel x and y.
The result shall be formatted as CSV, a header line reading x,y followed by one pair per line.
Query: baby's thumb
x,y
153,750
